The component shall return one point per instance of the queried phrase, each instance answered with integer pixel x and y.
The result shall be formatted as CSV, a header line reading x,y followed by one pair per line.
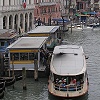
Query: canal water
x,y
90,40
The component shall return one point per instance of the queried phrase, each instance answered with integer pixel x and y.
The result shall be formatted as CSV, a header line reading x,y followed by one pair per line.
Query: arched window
x,y
29,1
3,2
9,2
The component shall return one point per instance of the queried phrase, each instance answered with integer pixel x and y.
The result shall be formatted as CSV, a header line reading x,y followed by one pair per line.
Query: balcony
x,y
15,7
47,4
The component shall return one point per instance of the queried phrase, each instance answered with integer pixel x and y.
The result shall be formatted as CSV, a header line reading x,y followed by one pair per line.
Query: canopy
x,y
59,20
81,15
92,13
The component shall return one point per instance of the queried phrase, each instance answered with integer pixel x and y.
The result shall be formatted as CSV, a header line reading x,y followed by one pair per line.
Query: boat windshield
x,y
68,83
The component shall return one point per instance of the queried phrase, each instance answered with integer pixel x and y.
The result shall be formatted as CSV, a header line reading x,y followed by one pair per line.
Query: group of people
x,y
68,82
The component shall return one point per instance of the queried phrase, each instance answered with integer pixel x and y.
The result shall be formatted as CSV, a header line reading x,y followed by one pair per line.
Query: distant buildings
x,y
15,14
46,10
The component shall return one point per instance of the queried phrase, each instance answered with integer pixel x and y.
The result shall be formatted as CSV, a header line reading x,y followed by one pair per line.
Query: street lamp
x,y
63,22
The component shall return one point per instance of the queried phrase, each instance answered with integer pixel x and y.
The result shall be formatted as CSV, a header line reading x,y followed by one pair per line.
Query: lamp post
x,y
63,22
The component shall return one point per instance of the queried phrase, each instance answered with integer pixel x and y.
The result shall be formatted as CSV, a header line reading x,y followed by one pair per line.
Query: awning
x,y
59,20
92,13
81,15
85,13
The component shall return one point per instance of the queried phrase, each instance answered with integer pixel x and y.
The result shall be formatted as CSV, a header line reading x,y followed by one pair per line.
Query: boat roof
x,y
68,60
28,43
44,29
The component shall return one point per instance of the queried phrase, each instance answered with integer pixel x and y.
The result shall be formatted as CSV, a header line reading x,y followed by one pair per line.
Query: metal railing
x,y
68,87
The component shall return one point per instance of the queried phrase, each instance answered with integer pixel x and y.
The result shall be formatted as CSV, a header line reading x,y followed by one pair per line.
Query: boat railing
x,y
68,87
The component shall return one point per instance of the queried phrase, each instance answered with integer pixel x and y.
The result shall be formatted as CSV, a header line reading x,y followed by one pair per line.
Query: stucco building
x,y
15,14
46,10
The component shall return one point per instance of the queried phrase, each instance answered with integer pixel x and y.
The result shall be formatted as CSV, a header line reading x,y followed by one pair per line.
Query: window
x,y
15,56
37,1
3,2
48,10
29,1
31,56
9,2
22,56
2,43
37,11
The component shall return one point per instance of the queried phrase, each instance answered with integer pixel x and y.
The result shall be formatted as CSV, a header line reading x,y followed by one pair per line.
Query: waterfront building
x,y
7,37
16,14
46,10
23,53
51,32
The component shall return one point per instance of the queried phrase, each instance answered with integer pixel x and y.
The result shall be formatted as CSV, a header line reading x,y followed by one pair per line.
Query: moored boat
x,y
68,73
8,81
2,89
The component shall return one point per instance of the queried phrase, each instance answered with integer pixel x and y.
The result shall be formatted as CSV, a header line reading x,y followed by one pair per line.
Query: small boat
x,y
8,81
68,72
18,77
80,27
2,89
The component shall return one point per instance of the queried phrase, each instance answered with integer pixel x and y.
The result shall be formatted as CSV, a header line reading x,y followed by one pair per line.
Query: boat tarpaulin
x,y
59,20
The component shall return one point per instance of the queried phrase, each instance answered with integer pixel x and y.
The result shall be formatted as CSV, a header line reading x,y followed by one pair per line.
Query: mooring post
x,y
35,69
24,78
71,26
13,68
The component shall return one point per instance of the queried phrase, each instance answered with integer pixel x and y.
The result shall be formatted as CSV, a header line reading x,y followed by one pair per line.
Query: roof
x,y
7,34
92,13
60,20
28,43
44,29
68,60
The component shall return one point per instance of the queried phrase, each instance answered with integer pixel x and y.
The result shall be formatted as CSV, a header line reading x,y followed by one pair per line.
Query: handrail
x,y
68,87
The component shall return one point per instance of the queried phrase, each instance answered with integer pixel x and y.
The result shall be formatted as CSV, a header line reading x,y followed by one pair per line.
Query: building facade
x,y
46,10
15,14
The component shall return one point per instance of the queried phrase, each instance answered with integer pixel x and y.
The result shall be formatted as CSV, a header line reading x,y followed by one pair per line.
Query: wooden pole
x,y
71,26
35,70
24,78
13,66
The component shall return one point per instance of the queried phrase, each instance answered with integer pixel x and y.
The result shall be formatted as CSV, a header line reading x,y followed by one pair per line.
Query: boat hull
x,y
67,94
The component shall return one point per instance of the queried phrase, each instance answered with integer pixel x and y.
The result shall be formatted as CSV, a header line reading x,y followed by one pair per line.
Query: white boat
x,y
79,27
68,73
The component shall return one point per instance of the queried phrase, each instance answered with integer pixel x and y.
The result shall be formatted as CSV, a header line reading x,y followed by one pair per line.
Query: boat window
x,y
22,56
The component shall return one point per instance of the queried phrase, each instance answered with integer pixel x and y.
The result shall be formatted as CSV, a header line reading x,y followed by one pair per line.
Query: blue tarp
x,y
92,13
59,20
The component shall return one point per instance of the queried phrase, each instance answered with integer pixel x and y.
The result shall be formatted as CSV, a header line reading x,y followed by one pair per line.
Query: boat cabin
x,y
68,73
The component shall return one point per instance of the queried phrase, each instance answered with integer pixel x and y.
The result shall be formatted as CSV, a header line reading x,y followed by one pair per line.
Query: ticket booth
x,y
23,52
52,32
